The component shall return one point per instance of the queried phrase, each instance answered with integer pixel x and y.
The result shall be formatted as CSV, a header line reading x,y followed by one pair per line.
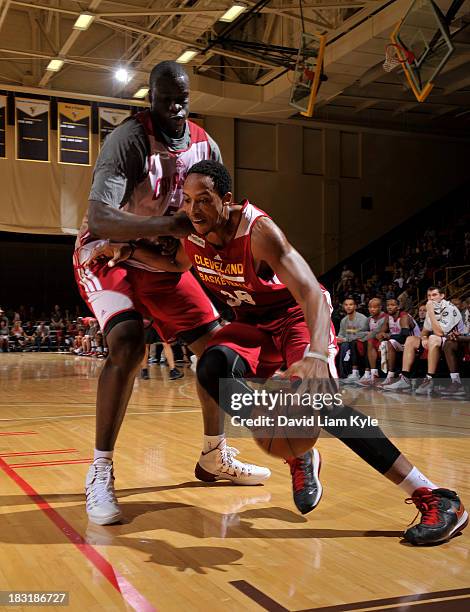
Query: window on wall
x,y
255,145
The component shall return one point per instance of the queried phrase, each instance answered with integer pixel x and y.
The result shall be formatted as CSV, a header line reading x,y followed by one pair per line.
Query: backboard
x,y
424,32
308,73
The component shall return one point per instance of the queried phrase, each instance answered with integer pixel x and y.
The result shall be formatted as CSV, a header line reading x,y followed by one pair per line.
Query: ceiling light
x,y
122,75
187,56
233,12
55,65
141,93
84,21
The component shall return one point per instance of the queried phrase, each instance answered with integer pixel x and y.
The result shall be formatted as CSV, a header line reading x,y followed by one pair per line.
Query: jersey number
x,y
238,298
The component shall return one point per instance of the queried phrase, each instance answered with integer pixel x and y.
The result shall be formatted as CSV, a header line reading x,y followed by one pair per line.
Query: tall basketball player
x,y
137,186
283,316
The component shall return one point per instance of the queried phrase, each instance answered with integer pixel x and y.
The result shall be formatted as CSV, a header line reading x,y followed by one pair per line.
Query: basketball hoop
x,y
396,55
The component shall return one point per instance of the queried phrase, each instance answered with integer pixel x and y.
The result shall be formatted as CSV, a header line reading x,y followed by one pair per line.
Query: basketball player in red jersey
x,y
282,317
137,186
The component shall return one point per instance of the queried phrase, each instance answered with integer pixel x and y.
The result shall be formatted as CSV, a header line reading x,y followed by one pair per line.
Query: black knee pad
x,y
219,363
373,446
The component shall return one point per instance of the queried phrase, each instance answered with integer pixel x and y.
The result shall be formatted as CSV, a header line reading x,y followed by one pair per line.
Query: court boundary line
x,y
127,591
79,416
431,598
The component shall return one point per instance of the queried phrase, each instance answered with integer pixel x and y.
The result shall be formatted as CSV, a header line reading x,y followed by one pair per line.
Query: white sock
x,y
366,375
355,373
391,374
414,481
211,442
374,372
99,454
455,377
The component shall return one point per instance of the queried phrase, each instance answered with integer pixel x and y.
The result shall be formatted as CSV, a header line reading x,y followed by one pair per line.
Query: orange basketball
x,y
290,432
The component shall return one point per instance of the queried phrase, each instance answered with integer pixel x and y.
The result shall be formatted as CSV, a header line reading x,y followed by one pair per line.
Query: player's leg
x,y
144,371
435,344
220,364
409,349
180,308
108,293
173,372
442,512
293,342
373,378
451,351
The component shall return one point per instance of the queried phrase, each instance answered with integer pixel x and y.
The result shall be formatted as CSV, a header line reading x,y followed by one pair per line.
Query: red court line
x,y
132,597
47,463
43,452
17,433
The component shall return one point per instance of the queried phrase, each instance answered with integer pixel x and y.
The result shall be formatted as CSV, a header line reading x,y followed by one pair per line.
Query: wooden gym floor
x,y
185,545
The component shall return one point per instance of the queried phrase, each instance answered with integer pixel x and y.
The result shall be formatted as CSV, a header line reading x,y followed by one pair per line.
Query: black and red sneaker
x,y
442,516
306,486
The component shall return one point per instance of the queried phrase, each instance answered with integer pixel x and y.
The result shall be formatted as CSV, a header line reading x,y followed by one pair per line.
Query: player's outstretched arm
x,y
105,221
269,244
147,255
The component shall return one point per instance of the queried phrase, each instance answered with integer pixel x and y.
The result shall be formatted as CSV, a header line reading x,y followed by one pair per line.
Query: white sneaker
x,y
426,387
352,379
101,503
402,384
220,464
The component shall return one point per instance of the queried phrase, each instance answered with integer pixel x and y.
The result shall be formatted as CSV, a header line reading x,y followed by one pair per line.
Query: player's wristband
x,y
315,355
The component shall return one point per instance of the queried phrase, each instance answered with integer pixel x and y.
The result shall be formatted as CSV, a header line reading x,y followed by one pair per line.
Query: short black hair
x,y
218,172
435,289
169,69
350,297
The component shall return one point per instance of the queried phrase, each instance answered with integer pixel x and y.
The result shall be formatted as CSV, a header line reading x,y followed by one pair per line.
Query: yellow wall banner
x,y
32,129
3,127
73,133
109,118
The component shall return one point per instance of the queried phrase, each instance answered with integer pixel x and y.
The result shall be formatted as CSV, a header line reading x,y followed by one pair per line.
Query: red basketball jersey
x,y
230,273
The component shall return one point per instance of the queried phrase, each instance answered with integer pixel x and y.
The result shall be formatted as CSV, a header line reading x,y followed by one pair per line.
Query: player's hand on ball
x,y
113,252
314,374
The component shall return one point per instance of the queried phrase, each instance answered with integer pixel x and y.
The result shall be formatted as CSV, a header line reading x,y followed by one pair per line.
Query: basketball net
x,y
394,59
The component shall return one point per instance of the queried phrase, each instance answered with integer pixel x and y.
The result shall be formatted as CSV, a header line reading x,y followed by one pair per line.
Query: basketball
x,y
291,430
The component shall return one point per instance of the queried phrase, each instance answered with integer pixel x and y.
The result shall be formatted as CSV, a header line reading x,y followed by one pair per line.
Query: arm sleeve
x,y
121,164
215,151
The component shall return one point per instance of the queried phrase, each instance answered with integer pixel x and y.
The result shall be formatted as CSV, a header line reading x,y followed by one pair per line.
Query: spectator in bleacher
x,y
3,316
405,299
70,333
57,325
375,323
457,346
390,293
397,326
4,335
421,315
353,332
442,317
399,280
42,337
17,334
460,304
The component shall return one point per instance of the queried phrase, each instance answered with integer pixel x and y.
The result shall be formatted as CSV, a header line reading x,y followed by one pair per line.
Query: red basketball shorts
x,y
175,302
267,346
